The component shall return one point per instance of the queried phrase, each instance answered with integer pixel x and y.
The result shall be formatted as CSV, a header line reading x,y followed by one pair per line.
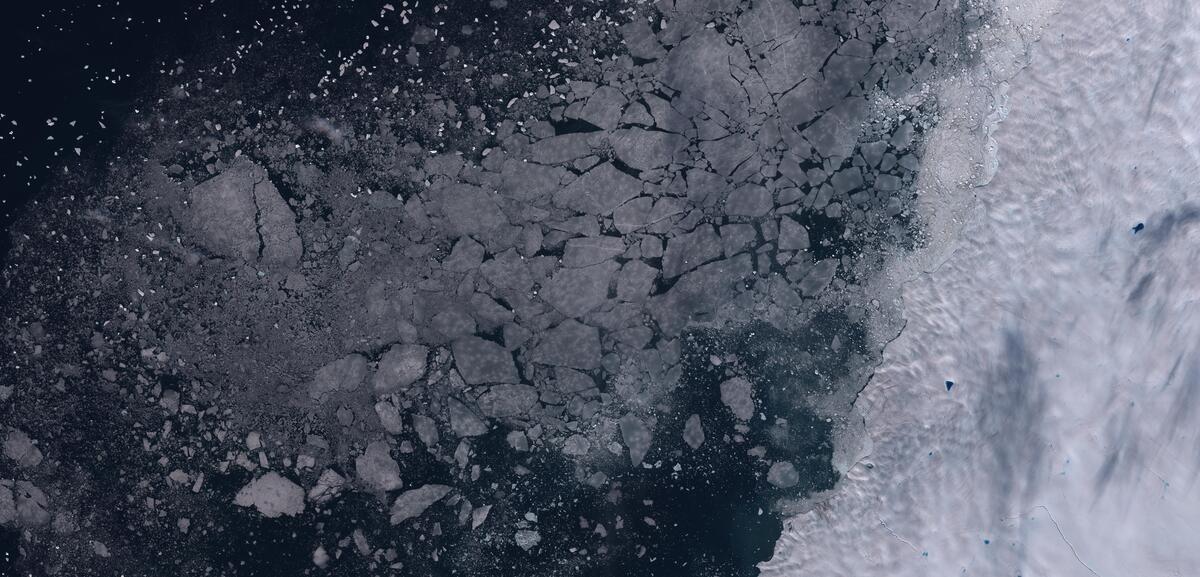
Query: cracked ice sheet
x,y
1068,445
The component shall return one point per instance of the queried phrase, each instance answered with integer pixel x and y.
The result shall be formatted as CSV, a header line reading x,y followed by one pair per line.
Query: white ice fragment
x,y
253,441
320,557
329,484
527,539
637,437
736,393
377,469
576,445
273,495
20,448
693,432
783,475
479,515
414,502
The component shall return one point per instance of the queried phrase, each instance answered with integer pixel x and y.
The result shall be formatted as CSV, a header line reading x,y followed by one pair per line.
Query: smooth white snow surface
x,y
1069,444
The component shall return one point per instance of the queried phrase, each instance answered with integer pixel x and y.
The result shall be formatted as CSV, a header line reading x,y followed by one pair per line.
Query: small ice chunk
x,y
32,506
751,200
783,474
818,277
693,432
479,515
8,504
426,430
344,374
528,539
792,235
320,557
637,437
400,367
389,417
329,484
518,441
502,401
481,361
464,422
570,344
576,445
20,448
273,495
587,251
414,502
736,393
377,469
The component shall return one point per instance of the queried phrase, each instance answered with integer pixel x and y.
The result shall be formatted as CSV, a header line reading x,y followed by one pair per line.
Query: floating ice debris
x,y
464,422
637,437
344,374
329,484
518,441
426,430
693,432
32,506
528,539
8,504
411,504
320,557
783,475
736,394
576,445
479,516
481,361
253,441
273,495
20,448
400,367
377,469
